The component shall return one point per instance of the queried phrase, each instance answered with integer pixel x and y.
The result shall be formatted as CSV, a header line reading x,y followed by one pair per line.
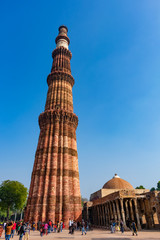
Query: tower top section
x,y
62,40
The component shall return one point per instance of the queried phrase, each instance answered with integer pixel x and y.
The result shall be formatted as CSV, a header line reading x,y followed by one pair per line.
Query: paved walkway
x,y
94,235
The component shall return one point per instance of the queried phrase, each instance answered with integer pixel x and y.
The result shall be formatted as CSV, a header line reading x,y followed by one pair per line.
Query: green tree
x,y
83,200
158,186
13,195
152,189
140,187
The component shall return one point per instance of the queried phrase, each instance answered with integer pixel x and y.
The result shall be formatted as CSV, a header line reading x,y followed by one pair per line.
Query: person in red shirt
x,y
13,230
49,226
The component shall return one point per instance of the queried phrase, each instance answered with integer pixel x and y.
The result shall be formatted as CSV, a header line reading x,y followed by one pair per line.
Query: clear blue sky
x,y
116,66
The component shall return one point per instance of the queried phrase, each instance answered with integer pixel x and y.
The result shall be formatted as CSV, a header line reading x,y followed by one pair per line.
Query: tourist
x,y
38,225
49,226
122,226
83,228
4,225
17,223
41,231
52,226
29,227
87,226
33,226
70,224
18,228
1,230
21,231
61,225
134,228
78,225
55,228
73,227
46,228
111,224
26,231
8,229
13,229
117,227
58,226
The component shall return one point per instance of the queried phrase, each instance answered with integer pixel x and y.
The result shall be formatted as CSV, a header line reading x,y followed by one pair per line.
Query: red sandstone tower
x,y
54,190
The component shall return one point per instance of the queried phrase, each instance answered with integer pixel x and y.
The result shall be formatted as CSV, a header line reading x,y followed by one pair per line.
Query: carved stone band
x,y
56,172
51,115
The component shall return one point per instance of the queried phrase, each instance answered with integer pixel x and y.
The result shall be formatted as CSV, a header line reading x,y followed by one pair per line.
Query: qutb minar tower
x,y
55,190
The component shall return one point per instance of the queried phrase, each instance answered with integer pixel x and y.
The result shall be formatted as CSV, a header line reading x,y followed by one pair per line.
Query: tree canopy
x,y
140,187
158,187
13,195
83,200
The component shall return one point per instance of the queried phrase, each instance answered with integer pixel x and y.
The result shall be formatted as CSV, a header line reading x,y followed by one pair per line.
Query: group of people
x,y
22,229
46,228
82,226
116,226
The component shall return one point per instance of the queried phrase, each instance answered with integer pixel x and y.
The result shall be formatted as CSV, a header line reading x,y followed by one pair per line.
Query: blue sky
x,y
116,55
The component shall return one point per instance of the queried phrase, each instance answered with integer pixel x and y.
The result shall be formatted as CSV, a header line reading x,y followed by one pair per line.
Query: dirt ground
x,y
93,235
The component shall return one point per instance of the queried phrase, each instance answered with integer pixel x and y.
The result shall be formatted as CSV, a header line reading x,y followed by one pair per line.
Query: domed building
x,y
118,200
117,183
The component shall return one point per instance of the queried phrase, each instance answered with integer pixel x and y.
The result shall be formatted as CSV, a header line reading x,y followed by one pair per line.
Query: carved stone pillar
x,y
137,214
148,213
104,216
131,209
92,210
127,211
95,215
143,212
122,211
155,217
114,211
101,215
93,219
108,217
118,212
111,212
98,217
103,221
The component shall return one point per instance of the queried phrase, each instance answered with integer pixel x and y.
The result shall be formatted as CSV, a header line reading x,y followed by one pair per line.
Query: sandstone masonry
x,y
55,190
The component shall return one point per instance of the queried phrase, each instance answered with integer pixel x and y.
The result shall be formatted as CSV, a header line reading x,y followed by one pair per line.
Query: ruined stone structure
x,y
54,190
118,200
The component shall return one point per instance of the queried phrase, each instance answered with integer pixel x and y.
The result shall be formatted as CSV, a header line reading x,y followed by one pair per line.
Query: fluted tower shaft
x,y
55,190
